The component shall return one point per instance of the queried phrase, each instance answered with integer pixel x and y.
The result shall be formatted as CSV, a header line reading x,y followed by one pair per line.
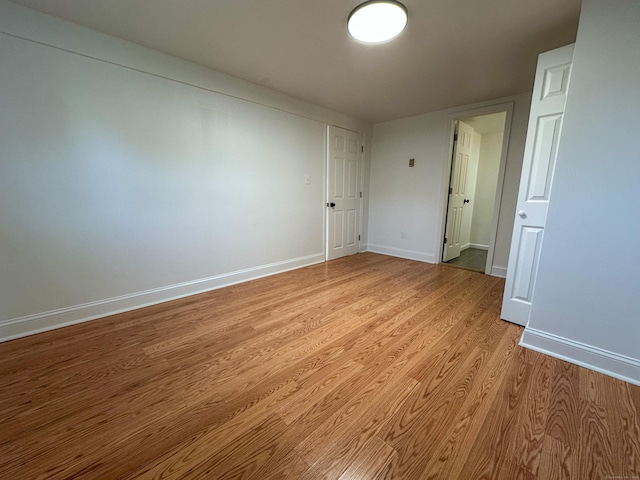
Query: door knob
x,y
466,200
331,204
522,214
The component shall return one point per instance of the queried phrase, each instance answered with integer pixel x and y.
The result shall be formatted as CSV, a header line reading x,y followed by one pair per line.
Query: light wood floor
x,y
364,367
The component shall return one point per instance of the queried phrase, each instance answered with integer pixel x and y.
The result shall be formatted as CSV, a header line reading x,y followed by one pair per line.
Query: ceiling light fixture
x,y
377,21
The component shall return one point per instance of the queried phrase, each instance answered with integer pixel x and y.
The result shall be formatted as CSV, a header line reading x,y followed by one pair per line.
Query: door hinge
x,y
358,237
362,148
450,190
455,137
445,240
360,194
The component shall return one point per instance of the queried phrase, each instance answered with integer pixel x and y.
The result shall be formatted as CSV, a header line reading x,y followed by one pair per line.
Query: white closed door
x,y
543,133
343,196
457,190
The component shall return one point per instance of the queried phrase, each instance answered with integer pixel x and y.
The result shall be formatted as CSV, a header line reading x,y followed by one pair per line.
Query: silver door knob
x,y
522,214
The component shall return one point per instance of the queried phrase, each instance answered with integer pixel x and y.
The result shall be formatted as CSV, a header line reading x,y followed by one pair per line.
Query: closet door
x,y
545,123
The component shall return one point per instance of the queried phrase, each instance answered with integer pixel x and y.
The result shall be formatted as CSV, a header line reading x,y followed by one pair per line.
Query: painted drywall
x,y
472,174
586,305
411,200
485,189
128,177
37,27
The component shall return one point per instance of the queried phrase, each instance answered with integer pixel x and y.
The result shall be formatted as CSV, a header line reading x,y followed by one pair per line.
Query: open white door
x,y
457,191
343,199
545,122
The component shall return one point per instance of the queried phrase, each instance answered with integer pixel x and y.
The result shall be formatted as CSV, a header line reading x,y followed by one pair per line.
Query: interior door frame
x,y
363,153
450,127
327,183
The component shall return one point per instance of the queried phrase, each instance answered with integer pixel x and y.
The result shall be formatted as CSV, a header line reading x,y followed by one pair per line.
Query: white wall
x,y
472,174
586,304
129,177
412,199
485,190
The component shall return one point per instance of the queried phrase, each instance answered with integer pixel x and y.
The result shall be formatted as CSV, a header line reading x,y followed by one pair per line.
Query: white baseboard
x,y
402,253
479,246
497,271
609,363
41,322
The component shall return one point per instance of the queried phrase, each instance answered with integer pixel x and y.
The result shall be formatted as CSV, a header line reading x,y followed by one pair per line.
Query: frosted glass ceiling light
x,y
377,21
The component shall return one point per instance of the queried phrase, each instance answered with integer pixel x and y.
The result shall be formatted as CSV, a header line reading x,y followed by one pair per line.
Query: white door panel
x,y
343,193
526,260
543,133
457,191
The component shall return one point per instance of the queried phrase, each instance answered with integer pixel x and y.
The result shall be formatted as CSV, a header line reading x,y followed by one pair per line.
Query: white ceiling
x,y
453,52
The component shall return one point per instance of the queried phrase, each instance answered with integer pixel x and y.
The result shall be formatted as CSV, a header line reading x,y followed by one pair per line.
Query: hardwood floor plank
x,y
416,434
235,458
525,447
564,421
556,460
364,367
487,455
596,455
374,459
628,411
624,429
450,457
290,467
353,425
323,382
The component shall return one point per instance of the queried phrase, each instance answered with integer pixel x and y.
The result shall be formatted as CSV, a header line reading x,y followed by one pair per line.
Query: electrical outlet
x,y
307,180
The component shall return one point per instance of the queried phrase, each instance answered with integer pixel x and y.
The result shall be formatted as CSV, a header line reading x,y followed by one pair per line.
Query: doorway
x,y
478,154
343,192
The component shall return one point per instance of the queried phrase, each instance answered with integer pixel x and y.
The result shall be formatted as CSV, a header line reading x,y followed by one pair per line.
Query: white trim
x,y
402,253
479,246
609,363
41,322
325,189
360,193
506,140
497,271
